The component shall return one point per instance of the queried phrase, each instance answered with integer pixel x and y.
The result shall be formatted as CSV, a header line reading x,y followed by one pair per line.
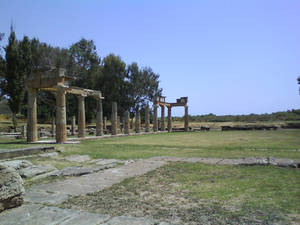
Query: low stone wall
x,y
5,154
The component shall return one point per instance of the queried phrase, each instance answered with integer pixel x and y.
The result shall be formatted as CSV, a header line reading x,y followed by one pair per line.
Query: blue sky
x,y
228,57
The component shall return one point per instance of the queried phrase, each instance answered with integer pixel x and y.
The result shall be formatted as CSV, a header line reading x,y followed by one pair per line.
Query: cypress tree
x,y
14,79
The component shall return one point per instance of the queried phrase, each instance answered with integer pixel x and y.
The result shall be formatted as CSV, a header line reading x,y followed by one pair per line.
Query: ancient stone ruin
x,y
161,101
57,82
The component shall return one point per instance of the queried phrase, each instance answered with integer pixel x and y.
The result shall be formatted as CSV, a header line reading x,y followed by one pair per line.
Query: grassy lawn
x,y
194,193
229,144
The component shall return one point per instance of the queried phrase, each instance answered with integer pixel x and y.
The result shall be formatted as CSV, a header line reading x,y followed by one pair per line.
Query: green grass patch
x,y
229,144
194,193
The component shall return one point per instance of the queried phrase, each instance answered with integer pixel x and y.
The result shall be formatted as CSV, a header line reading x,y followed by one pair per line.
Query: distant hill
x,y
4,109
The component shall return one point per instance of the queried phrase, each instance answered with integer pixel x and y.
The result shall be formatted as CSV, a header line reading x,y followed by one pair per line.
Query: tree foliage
x,y
142,85
17,60
130,86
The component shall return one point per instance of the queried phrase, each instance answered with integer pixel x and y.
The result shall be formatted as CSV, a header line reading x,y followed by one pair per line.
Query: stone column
x,y
159,124
186,118
147,119
99,122
31,116
137,122
162,118
169,119
155,122
73,128
81,116
61,123
53,126
104,123
126,122
114,119
24,131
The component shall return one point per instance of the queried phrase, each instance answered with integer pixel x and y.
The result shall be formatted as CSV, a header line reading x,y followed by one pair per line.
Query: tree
x,y
143,86
83,65
14,82
2,69
111,81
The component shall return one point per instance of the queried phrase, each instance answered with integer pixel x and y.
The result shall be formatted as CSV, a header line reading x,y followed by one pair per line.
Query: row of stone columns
x,y
61,123
61,135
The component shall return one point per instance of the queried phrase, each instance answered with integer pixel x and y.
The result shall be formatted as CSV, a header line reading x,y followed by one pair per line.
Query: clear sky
x,y
228,57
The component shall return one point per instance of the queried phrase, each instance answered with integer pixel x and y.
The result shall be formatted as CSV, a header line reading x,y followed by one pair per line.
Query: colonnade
x,y
61,121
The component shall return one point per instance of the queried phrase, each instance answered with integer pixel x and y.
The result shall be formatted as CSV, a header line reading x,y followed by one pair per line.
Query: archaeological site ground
x,y
196,177
149,112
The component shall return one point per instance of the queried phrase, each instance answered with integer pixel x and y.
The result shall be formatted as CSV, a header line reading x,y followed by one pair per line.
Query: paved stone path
x,y
36,211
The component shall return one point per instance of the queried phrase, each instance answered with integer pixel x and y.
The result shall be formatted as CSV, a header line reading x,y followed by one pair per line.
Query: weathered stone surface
x,y
79,170
103,162
5,154
37,214
17,164
32,171
11,188
95,181
49,154
255,161
78,158
284,162
34,195
124,220
73,171
26,169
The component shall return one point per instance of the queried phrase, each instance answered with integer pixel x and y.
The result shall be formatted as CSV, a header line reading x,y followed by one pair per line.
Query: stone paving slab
x,y
91,182
124,220
42,196
78,158
35,214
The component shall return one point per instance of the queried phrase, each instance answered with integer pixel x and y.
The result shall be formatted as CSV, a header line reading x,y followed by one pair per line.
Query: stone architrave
x,y
126,122
32,116
104,123
137,121
114,119
147,119
155,120
73,127
99,122
186,118
61,124
81,116
162,126
169,118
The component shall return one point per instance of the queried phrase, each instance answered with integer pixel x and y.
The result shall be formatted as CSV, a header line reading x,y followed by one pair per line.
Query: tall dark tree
x,y
111,81
83,65
2,68
14,83
143,85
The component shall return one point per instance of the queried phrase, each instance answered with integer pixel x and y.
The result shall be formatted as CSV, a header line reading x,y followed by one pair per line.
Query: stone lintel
x,y
76,91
